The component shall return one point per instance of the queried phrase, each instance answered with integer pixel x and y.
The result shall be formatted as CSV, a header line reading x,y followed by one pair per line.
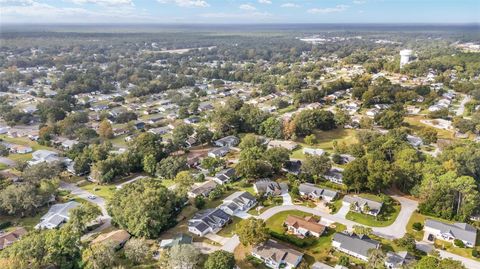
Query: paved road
x,y
77,191
396,230
119,186
7,161
461,108
469,263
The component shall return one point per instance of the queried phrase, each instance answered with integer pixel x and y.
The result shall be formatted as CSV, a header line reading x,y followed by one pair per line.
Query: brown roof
x,y
277,252
118,236
308,224
7,239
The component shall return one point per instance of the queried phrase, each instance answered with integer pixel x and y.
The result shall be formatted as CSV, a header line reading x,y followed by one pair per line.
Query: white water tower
x,y
405,56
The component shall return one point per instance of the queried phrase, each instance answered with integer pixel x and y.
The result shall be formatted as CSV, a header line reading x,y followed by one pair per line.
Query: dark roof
x,y
358,244
462,231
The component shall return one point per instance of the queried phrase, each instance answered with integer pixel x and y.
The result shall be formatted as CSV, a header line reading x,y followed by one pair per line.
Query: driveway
x,y
469,263
119,186
231,244
205,248
77,191
342,212
287,199
461,107
217,238
243,215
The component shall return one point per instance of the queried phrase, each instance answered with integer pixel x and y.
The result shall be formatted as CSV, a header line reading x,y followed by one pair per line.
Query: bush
x,y
4,225
301,243
475,253
417,226
199,202
459,243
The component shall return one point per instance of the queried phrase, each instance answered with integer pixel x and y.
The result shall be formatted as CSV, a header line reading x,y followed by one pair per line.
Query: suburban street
x,y
77,191
428,247
7,161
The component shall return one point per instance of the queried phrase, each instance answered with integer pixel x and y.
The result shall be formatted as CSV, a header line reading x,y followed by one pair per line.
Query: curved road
x,y
396,230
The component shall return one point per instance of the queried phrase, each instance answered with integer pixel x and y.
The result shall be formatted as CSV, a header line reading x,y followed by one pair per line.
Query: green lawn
x,y
325,141
416,125
25,142
318,249
371,220
26,222
418,217
464,252
104,191
229,230
3,166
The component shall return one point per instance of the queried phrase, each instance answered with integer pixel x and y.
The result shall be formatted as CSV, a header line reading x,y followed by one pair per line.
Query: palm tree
x,y
376,259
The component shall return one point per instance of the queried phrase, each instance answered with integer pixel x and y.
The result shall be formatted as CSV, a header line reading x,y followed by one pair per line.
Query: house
x,y
43,155
192,120
290,145
267,187
354,245
292,167
138,125
159,130
335,175
449,232
319,265
218,152
228,141
239,201
310,151
304,227
398,260
276,255
56,215
315,193
68,144
362,205
203,189
179,239
225,176
6,239
118,237
415,141
209,220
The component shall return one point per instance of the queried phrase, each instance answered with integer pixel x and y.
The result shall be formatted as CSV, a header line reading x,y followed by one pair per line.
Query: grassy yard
x,y
464,252
318,249
420,218
416,125
325,141
26,222
229,230
104,191
371,220
3,166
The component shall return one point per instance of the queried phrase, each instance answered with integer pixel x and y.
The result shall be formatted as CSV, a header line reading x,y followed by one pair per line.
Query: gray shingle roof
x,y
462,231
360,201
357,244
310,188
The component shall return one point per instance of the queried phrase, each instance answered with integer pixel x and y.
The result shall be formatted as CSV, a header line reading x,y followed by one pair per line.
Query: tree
x,y
276,157
47,248
184,181
389,119
211,163
149,164
272,127
376,259
310,139
181,133
428,134
250,141
105,129
99,256
203,134
316,166
407,241
427,262
144,208
252,231
344,261
170,166
184,256
137,250
220,259
82,215
253,169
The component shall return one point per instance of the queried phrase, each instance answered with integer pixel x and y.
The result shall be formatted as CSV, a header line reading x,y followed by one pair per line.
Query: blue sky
x,y
239,11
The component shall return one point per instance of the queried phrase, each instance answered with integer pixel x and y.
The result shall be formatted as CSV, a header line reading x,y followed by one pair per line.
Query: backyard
x,y
325,141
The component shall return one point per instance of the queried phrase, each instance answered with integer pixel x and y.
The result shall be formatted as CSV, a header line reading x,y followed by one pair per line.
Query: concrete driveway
x,y
217,238
205,248
231,244
342,212
77,191
243,215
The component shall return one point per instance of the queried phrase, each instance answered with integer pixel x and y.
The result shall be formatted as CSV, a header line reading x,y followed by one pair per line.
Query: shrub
x,y
459,243
301,243
417,226
475,253
4,225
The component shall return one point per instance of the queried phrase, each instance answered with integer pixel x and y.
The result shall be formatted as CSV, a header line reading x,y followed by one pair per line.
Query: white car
x,y
92,197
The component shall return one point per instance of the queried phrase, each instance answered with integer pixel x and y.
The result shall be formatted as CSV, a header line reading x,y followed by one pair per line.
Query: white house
x,y
449,232
240,201
354,245
276,255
